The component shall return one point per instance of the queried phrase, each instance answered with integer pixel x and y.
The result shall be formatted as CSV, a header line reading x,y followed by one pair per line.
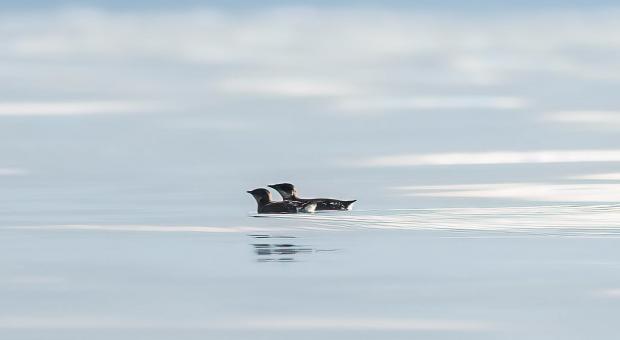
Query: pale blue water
x,y
496,273
306,284
482,146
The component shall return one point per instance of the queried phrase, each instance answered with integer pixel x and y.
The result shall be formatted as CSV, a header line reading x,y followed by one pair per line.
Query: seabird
x,y
288,193
267,206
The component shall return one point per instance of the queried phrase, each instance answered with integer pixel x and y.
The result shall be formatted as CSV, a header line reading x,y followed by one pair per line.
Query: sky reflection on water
x,y
126,115
481,142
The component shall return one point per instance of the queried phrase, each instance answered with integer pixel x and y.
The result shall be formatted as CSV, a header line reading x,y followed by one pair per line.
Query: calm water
x,y
536,272
482,145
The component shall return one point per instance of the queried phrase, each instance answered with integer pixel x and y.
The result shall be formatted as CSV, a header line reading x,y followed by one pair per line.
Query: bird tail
x,y
349,204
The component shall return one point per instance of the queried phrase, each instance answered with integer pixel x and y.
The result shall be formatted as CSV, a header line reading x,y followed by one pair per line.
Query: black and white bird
x,y
267,206
288,193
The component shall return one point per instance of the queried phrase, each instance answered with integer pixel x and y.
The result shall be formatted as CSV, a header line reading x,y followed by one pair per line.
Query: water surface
x,y
481,143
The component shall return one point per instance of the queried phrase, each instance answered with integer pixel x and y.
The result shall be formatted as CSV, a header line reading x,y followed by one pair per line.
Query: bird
x,y
288,193
267,206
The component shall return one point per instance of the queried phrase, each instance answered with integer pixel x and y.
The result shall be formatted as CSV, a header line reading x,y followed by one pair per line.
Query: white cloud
x,y
549,192
495,157
70,108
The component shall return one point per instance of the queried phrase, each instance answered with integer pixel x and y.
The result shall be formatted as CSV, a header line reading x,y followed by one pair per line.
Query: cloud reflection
x,y
270,86
393,55
247,323
612,176
495,157
598,118
609,293
430,103
370,324
70,108
549,192
12,172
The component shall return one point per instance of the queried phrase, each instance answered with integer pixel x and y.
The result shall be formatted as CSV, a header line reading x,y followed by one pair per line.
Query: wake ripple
x,y
558,220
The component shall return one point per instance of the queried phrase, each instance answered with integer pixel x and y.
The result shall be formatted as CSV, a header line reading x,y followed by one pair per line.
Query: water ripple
x,y
562,220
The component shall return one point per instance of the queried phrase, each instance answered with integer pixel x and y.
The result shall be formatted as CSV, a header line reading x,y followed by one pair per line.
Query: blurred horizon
x,y
177,108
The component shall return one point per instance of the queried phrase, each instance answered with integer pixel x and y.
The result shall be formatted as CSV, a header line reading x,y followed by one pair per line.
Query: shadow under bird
x,y
267,206
288,193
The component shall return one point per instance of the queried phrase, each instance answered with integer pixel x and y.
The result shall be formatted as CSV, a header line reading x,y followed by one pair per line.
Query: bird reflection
x,y
276,249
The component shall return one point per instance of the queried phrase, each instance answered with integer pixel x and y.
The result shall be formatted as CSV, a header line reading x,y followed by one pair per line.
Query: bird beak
x,y
249,192
271,186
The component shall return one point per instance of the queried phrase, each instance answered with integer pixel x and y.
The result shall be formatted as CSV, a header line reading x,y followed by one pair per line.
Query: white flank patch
x,y
310,208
